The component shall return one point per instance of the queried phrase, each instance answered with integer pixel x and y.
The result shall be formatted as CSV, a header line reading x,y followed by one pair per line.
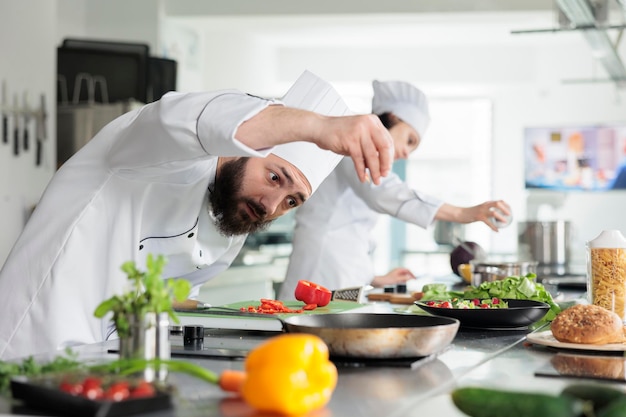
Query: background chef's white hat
x,y
310,92
404,100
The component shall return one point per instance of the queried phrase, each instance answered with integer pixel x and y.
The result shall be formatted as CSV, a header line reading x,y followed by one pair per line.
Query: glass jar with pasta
x,y
606,271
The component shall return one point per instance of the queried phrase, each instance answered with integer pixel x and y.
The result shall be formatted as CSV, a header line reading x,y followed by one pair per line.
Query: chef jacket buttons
x,y
190,235
140,247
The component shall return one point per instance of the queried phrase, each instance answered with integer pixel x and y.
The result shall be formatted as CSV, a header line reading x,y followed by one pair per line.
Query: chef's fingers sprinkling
x,y
359,166
372,161
378,153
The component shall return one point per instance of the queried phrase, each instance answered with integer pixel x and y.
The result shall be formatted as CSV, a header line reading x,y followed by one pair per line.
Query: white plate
x,y
546,339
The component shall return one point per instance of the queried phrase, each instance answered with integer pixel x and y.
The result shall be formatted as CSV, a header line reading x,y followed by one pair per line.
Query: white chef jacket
x,y
332,245
139,186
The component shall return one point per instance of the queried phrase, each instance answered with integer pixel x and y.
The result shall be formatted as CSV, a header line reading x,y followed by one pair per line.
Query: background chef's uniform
x,y
332,242
138,187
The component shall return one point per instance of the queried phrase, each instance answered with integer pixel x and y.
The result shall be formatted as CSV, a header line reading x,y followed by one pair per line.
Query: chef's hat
x,y
403,100
310,92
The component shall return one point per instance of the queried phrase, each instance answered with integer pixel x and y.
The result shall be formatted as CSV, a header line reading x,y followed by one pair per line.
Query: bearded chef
x,y
188,177
332,242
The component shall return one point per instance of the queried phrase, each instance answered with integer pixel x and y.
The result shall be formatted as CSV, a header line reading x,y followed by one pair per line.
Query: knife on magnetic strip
x,y
4,106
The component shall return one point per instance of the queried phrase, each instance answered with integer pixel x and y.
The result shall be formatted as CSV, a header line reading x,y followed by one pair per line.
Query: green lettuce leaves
x,y
514,287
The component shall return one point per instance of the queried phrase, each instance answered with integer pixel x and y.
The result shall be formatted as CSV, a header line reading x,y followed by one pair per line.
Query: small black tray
x,y
39,396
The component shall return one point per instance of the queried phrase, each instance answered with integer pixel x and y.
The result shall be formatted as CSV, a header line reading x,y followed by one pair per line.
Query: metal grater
x,y
348,294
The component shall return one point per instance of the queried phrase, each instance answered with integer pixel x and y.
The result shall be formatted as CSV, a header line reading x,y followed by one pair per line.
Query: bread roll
x,y
588,324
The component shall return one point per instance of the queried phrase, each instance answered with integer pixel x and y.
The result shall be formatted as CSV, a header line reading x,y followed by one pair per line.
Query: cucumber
x,y
485,402
615,408
599,395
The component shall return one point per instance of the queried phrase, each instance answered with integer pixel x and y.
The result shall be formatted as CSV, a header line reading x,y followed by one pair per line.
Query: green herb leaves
x,y
150,293
29,367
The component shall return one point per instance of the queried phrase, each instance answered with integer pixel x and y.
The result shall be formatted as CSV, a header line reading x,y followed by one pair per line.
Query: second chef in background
x,y
332,242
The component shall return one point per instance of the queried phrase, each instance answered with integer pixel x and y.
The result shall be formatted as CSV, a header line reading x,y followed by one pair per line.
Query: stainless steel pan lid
x,y
370,335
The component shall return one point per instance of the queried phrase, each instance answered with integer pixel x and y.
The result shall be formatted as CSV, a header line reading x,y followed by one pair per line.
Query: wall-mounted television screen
x,y
583,158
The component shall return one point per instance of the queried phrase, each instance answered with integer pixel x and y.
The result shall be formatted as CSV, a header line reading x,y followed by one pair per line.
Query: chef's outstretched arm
x,y
362,137
395,276
484,212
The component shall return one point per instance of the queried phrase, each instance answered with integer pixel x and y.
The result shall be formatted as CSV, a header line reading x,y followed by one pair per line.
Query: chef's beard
x,y
225,198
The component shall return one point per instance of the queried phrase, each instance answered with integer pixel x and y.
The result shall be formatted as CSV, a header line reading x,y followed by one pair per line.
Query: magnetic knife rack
x,y
19,118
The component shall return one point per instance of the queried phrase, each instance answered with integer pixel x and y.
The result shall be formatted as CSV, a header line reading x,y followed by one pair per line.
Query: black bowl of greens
x,y
527,302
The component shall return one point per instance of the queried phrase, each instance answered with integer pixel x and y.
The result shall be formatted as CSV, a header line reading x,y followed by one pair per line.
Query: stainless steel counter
x,y
497,359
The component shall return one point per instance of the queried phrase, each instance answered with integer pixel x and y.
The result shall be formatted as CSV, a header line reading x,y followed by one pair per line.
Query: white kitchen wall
x,y
27,42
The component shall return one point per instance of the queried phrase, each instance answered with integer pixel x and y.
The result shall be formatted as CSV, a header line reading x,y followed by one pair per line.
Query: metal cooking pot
x,y
548,243
372,335
448,233
494,271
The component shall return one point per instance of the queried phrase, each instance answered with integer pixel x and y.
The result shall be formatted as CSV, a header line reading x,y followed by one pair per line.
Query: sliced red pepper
x,y
312,293
310,307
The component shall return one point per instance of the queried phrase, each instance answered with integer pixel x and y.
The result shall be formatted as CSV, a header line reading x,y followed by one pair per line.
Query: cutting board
x,y
264,322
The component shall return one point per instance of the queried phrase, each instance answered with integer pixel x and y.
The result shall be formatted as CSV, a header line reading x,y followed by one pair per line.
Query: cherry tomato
x,y
476,301
142,390
92,388
495,300
484,305
312,293
74,388
117,391
446,304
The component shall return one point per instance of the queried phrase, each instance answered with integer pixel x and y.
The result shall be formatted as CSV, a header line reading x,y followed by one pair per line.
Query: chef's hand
x,y
364,139
485,212
395,276
361,137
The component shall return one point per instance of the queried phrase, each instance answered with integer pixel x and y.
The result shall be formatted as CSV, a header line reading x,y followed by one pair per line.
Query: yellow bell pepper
x,y
289,374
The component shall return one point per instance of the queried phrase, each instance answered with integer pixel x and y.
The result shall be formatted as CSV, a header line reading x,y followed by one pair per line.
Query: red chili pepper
x,y
312,293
